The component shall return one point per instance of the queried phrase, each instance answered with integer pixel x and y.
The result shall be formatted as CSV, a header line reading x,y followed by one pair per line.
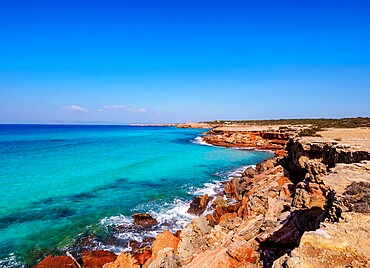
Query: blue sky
x,y
182,60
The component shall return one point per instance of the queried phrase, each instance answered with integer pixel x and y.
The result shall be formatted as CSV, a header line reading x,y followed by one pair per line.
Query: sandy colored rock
x,y
194,125
124,260
345,244
166,258
164,240
358,137
215,259
193,237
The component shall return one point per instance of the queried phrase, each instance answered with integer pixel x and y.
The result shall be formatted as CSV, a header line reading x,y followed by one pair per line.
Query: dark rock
x,y
144,219
199,204
357,195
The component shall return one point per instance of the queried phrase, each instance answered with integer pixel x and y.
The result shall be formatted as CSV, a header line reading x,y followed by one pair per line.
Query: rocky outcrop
x,y
309,208
97,258
57,262
199,204
345,244
144,219
195,125
317,155
124,260
263,140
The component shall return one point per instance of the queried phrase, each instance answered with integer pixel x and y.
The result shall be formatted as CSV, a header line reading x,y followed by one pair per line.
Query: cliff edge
x,y
308,207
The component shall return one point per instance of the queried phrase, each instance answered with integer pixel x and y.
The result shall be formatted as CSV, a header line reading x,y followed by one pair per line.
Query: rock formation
x,y
307,208
144,219
199,204
262,140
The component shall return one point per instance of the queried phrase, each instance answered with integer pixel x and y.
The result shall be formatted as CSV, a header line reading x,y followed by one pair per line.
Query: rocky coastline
x,y
309,206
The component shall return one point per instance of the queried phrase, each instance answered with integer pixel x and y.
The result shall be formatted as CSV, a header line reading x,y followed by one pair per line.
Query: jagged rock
x,y
333,245
142,255
124,260
216,259
219,201
309,195
193,237
199,204
97,258
250,172
144,219
233,188
227,216
220,210
301,151
268,140
244,252
249,229
166,258
164,240
265,165
57,262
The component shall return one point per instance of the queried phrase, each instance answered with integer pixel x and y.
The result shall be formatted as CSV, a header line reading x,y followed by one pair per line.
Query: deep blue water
x,y
62,184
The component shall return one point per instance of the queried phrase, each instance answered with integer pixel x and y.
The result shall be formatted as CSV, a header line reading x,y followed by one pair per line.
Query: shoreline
x,y
193,246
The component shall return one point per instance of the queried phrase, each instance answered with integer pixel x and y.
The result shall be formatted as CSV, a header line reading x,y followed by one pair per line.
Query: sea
x,y
75,187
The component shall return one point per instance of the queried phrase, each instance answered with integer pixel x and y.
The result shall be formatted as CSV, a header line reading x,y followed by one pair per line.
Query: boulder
x,y
97,258
165,240
144,219
199,204
250,172
124,260
142,255
57,262
193,237
165,258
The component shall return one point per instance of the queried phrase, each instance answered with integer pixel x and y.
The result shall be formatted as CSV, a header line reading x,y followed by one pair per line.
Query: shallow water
x,y
62,184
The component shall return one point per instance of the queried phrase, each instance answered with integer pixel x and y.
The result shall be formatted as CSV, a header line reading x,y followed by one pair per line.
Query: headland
x,y
309,206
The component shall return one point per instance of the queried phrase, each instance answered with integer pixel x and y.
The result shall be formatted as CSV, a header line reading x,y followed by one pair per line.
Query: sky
x,y
136,61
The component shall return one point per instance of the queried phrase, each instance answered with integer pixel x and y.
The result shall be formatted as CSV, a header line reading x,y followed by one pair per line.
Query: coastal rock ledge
x,y
308,208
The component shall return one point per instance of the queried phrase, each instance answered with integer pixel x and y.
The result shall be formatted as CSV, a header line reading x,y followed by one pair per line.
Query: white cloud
x,y
141,110
116,107
76,109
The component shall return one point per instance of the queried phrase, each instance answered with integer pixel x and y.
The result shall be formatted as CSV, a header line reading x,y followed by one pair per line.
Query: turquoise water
x,y
60,185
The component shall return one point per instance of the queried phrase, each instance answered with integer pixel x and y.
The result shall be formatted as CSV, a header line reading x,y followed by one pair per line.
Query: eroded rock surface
x,y
264,140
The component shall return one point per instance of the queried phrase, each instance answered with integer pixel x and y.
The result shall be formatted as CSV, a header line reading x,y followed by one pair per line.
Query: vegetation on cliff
x,y
317,122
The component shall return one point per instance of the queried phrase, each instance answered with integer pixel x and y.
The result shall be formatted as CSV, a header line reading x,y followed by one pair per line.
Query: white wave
x,y
11,261
210,188
239,171
252,149
172,216
199,140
